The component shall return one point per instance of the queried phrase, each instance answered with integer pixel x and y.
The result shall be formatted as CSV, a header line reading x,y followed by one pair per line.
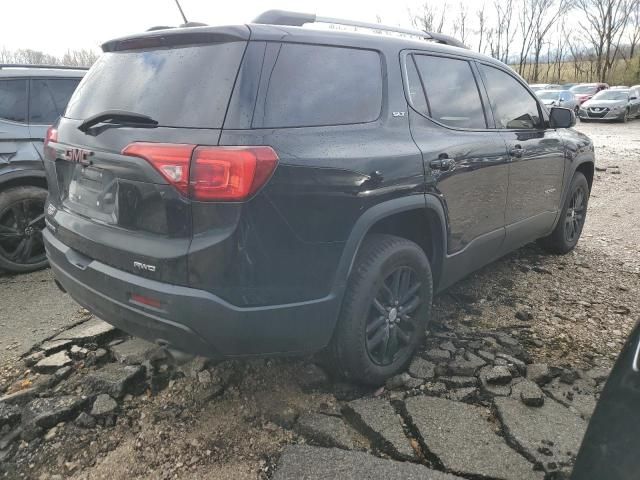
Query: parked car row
x,y
592,101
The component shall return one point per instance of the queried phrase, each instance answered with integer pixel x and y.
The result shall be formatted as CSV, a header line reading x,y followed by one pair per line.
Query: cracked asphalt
x,y
32,308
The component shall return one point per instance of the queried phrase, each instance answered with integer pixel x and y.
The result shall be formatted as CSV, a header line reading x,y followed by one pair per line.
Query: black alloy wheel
x,y
21,224
391,323
575,215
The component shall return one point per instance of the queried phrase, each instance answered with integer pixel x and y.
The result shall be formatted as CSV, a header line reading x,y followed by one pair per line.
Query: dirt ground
x,y
579,309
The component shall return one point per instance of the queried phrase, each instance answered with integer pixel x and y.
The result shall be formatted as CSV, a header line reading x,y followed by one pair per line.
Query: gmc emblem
x,y
78,155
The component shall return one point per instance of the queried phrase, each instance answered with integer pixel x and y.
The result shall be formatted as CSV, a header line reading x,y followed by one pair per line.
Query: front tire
x,y
625,117
21,225
385,311
565,236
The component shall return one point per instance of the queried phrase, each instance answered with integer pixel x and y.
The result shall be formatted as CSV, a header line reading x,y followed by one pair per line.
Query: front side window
x,y
313,85
452,94
49,98
13,100
512,104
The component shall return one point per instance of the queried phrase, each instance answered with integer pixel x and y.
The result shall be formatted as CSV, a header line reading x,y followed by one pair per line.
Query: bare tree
x,y
503,33
604,23
460,23
79,58
431,18
545,14
525,22
482,21
73,58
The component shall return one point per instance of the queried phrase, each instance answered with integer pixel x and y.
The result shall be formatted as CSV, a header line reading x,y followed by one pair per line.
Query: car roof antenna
x,y
182,12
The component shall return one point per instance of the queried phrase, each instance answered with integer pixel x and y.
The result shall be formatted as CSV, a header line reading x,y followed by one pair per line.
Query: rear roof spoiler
x,y
172,37
297,19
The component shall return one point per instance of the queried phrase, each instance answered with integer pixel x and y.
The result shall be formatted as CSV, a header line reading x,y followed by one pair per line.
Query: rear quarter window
x,y
13,100
48,98
313,85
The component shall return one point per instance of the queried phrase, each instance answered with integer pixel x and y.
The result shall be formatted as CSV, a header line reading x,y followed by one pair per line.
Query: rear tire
x,y
565,236
386,308
21,225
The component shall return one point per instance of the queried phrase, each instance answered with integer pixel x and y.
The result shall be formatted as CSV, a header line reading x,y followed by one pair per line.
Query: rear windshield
x,y
177,87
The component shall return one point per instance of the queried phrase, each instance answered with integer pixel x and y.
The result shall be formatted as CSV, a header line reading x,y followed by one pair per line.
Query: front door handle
x,y
443,162
517,151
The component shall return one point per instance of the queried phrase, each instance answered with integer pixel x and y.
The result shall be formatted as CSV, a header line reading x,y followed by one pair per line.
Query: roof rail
x,y
29,65
297,19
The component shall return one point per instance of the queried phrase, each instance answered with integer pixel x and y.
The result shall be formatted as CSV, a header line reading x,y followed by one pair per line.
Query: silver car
x,y
613,104
558,98
544,86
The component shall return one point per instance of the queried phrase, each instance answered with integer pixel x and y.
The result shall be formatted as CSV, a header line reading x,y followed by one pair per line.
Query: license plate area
x,y
89,191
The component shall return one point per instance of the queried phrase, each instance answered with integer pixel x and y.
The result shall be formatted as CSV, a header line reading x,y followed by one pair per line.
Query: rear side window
x,y
513,106
314,85
48,98
13,100
453,97
177,87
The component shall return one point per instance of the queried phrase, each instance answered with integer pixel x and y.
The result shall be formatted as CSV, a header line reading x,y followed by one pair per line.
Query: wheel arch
x,y
587,168
23,178
406,217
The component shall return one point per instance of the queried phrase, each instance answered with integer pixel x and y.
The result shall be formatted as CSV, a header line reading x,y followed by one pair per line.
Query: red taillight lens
x,y
170,159
230,173
52,135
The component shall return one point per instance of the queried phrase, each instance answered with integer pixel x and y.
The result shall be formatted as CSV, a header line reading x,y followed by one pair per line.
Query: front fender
x,y
579,150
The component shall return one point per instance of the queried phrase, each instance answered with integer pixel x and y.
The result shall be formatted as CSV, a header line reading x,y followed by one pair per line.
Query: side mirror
x,y
562,117
633,98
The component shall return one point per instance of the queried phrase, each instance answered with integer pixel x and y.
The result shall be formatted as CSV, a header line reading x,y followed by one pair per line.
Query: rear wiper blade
x,y
117,117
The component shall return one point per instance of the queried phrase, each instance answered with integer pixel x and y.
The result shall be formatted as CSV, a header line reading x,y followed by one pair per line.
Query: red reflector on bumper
x,y
147,301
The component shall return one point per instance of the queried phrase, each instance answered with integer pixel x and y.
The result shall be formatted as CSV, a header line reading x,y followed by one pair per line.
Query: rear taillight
x,y
204,173
170,159
230,173
52,135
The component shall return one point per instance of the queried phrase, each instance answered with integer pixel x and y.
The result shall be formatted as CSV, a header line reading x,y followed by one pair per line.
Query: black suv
x,y
268,189
32,97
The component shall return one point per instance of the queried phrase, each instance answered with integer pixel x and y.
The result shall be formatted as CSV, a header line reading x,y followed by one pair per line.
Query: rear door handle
x,y
443,162
517,151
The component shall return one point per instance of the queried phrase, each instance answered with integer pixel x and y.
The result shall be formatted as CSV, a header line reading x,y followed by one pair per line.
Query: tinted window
x,y
513,106
13,100
177,87
318,85
452,94
48,98
416,93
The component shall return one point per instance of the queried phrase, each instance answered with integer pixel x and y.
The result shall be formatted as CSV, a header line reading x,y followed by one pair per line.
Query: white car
x,y
558,98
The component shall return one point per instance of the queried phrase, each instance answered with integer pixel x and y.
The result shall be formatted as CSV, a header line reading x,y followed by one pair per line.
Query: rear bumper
x,y
191,320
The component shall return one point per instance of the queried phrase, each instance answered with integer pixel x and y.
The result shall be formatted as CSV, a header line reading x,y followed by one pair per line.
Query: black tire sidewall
x,y
8,197
559,236
380,255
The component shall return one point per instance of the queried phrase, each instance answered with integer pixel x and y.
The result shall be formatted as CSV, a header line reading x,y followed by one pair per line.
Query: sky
x,y
54,27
